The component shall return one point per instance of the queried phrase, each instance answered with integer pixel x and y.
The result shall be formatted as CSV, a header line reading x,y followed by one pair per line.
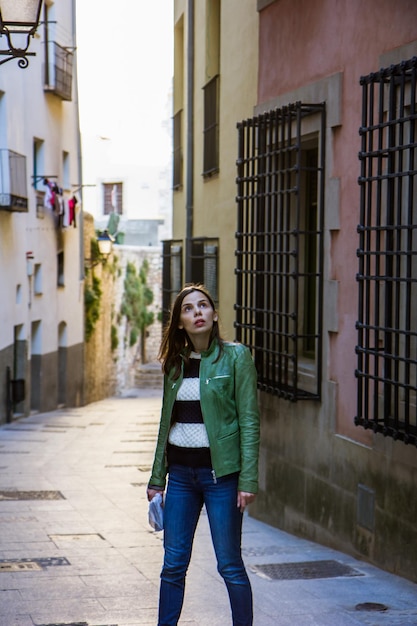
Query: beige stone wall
x,y
112,372
99,372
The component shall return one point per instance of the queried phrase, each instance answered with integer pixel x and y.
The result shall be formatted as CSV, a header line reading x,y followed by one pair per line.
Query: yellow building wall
x,y
214,197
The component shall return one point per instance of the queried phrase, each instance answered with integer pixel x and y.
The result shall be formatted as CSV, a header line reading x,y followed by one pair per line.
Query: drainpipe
x,y
189,193
79,148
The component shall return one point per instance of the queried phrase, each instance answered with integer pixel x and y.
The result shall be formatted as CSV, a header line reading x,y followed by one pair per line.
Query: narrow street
x,y
76,548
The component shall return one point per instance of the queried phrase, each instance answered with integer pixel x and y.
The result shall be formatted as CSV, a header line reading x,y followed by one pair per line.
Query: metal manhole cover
x,y
12,495
303,570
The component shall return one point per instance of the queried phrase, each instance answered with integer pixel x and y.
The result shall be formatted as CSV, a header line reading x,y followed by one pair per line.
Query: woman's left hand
x,y
244,498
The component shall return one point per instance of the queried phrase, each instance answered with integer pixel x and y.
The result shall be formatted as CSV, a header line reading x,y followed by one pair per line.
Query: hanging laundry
x,y
72,203
49,200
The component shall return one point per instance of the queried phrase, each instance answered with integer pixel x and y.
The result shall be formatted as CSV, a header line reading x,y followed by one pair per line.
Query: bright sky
x,y
125,69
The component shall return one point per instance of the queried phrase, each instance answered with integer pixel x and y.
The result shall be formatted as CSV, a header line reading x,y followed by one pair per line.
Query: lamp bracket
x,y
17,53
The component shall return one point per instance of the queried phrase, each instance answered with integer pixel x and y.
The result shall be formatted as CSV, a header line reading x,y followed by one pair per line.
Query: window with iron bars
x,y
177,151
387,278
204,264
211,127
204,269
112,198
171,275
279,253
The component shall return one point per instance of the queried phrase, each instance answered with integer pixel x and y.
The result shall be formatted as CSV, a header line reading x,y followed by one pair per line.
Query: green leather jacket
x,y
228,398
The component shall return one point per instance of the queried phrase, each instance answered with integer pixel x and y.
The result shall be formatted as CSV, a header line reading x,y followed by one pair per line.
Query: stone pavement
x,y
76,548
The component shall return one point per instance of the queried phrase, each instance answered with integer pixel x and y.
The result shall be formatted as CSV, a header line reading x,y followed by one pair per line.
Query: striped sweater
x,y
188,443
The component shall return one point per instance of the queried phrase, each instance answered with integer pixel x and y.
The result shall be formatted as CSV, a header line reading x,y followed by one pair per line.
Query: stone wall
x,y
128,359
112,371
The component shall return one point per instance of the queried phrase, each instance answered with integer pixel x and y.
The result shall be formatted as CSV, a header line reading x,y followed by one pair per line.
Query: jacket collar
x,y
213,347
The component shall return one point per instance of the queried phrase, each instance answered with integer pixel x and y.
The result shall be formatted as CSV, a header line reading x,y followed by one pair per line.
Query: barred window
x,y
178,156
211,127
112,198
204,264
387,278
171,275
280,247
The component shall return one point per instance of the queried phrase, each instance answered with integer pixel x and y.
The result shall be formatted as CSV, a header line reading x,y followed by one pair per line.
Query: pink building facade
x,y
327,272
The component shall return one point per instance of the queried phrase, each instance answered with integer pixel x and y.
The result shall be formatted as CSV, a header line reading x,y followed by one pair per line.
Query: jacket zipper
x,y
214,378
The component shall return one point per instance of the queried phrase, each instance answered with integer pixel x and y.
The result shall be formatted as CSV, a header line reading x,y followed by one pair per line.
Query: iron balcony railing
x,y
13,182
58,70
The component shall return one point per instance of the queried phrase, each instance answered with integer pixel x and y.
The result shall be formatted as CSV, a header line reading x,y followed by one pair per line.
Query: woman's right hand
x,y
152,493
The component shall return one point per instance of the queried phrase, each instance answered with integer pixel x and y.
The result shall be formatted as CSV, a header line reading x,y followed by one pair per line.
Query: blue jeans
x,y
188,489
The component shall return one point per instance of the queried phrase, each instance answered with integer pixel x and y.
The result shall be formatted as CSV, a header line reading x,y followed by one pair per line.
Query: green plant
x,y
114,340
137,297
92,298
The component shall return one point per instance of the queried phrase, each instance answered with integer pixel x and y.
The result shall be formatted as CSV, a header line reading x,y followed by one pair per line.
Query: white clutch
x,y
156,512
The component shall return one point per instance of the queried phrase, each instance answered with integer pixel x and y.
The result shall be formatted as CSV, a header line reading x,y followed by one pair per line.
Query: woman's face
x,y
196,318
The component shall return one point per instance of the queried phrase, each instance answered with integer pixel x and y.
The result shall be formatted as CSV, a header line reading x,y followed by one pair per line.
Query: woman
x,y
208,444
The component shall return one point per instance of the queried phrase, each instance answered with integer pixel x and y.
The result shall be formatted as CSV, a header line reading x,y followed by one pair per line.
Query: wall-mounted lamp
x,y
105,243
19,20
100,249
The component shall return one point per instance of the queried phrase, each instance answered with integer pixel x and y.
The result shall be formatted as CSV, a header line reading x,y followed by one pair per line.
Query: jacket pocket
x,y
229,449
220,385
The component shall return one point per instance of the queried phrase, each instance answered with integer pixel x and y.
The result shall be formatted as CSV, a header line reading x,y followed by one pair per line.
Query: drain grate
x,y
19,566
78,537
11,494
61,624
25,565
14,452
303,570
74,624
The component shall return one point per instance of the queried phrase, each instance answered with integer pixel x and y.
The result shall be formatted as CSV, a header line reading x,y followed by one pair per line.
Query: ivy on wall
x,y
93,290
92,298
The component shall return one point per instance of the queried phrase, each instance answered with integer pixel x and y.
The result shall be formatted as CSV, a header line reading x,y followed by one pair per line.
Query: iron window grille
x,y
112,198
204,264
13,182
211,127
177,151
387,278
171,275
279,255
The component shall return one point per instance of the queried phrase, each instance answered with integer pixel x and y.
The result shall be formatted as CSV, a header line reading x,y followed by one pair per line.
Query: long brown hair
x,y
176,344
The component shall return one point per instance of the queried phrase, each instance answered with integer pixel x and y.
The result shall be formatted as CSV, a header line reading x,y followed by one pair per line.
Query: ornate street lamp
x,y
105,243
19,20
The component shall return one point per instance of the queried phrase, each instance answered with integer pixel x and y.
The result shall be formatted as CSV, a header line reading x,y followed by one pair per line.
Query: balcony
x,y
58,70
13,182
